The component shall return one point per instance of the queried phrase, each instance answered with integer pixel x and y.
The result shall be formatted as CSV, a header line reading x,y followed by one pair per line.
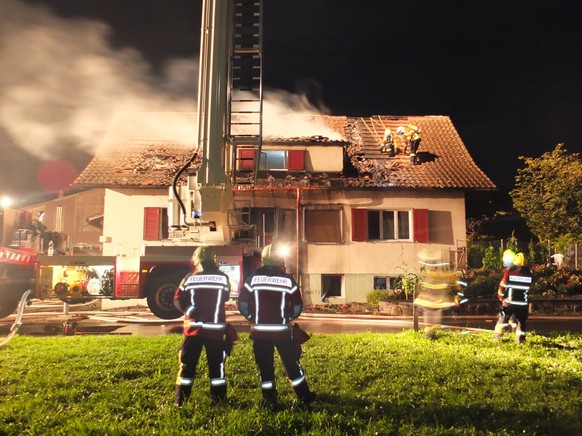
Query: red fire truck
x,y
80,278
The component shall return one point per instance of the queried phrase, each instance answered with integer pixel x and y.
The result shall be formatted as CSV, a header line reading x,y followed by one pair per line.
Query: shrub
x,y
482,283
374,297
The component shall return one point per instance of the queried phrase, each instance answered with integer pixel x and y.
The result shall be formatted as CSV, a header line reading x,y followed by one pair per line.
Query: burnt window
x,y
331,286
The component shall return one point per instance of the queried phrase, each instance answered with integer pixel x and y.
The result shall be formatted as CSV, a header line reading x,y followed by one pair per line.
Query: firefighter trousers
x,y
521,313
264,351
189,357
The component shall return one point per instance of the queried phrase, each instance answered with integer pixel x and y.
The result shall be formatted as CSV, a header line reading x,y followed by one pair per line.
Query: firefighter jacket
x,y
201,297
270,299
515,285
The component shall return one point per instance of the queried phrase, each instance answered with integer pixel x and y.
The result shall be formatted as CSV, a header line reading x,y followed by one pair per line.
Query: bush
x,y
549,282
482,283
374,297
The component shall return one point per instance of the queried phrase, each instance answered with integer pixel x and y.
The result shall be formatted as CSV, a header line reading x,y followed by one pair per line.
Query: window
x,y
271,222
387,225
379,283
331,286
323,225
384,283
283,160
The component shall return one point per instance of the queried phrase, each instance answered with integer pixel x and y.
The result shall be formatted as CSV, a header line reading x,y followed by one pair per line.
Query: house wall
x,y
360,262
69,215
124,219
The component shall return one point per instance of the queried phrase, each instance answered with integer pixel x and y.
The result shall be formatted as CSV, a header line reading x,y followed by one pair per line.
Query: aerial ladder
x,y
230,115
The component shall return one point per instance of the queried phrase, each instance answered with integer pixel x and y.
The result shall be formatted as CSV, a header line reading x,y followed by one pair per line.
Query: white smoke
x,y
289,115
61,85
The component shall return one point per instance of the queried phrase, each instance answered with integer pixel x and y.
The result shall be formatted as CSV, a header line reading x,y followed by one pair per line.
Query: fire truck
x,y
230,102
33,260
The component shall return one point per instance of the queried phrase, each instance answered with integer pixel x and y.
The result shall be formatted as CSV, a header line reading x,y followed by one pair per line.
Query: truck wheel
x,y
8,304
160,296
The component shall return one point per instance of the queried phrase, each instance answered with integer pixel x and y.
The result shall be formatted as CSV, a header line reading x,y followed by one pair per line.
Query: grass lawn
x,y
366,384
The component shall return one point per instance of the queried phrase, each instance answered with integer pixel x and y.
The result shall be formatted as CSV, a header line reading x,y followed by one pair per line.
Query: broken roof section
x,y
444,161
146,150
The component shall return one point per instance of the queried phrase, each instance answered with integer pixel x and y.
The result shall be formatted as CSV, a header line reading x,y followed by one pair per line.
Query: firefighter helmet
x,y
272,255
519,259
508,258
204,254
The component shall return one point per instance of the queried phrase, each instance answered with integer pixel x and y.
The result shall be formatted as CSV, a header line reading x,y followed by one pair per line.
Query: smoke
x,y
289,115
61,85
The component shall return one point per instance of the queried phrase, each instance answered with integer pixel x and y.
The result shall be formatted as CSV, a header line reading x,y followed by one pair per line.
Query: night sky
x,y
508,73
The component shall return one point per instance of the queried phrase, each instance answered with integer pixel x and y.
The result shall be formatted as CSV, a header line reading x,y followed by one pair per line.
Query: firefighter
x,y
413,137
270,298
388,145
440,290
201,296
508,259
513,293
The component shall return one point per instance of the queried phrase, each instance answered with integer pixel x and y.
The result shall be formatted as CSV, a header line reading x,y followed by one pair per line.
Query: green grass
x,y
366,384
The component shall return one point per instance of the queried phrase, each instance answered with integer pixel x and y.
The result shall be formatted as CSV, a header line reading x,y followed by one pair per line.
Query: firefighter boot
x,y
303,393
182,394
519,337
269,392
218,393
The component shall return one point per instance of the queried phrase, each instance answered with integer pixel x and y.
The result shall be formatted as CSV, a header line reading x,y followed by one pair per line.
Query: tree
x,y
548,194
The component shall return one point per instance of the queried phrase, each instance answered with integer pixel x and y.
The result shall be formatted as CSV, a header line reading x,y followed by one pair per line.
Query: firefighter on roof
x,y
513,293
413,137
201,296
388,145
270,299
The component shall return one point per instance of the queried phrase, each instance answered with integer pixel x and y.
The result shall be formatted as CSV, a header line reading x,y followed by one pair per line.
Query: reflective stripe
x,y
297,381
207,325
517,303
268,385
521,333
217,382
525,288
270,327
184,381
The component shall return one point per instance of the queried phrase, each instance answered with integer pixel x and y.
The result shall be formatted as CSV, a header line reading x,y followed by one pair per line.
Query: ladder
x,y
245,93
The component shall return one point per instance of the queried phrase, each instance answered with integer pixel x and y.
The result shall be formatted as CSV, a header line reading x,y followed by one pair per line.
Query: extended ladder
x,y
245,94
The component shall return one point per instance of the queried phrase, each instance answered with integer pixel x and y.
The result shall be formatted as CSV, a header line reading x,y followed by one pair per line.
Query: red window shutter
x,y
296,160
420,218
246,158
359,225
151,223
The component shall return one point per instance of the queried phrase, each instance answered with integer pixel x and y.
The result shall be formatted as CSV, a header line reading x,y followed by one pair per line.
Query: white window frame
x,y
396,220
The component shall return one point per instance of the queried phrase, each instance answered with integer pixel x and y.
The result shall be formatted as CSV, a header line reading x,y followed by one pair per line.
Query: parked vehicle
x,y
26,264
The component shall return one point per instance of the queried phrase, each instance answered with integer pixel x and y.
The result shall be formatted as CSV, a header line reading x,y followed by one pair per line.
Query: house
x,y
355,217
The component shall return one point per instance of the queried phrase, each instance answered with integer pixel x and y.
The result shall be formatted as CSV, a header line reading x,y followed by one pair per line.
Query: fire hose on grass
x,y
18,321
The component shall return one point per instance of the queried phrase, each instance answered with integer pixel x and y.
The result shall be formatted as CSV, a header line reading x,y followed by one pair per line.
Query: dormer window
x,y
283,160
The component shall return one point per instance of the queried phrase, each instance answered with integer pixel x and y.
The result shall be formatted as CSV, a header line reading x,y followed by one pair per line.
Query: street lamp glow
x,y
5,202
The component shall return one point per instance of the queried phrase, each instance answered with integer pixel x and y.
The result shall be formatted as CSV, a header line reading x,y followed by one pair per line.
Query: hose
x,y
18,321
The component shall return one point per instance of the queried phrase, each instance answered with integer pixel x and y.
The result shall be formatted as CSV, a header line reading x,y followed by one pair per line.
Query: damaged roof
x,y
147,150
142,150
443,159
